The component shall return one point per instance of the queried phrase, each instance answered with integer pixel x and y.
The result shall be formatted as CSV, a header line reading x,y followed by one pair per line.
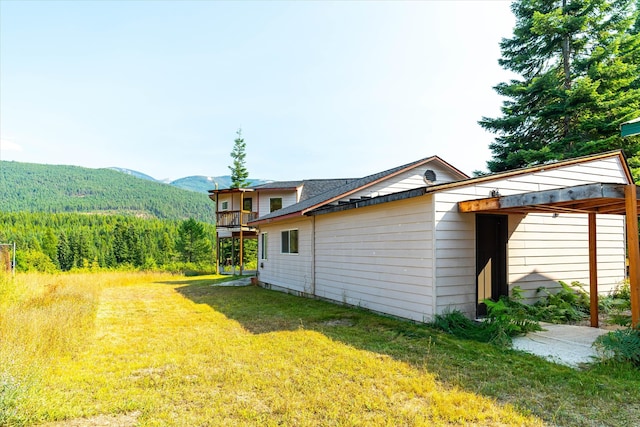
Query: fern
x,y
622,346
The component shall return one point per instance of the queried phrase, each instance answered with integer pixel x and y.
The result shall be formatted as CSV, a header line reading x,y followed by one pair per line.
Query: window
x,y
224,206
247,204
290,242
263,246
275,203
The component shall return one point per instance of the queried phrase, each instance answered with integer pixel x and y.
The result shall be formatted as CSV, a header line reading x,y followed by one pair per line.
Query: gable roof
x,y
278,185
329,208
539,168
314,187
341,191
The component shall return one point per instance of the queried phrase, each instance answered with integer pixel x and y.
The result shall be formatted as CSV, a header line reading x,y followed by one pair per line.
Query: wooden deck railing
x,y
233,218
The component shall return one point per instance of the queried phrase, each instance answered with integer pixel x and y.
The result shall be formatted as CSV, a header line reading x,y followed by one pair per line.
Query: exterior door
x,y
491,259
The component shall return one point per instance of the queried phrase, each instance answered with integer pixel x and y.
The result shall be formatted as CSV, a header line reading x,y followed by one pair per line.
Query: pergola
x,y
589,199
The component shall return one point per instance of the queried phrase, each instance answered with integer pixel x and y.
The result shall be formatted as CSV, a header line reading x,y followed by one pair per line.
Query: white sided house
x,y
423,238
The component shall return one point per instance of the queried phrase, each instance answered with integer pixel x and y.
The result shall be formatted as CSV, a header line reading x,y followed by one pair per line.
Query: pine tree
x,y
192,242
239,172
65,256
579,62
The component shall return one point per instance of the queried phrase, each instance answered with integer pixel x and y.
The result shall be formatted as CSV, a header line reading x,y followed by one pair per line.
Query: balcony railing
x,y
235,218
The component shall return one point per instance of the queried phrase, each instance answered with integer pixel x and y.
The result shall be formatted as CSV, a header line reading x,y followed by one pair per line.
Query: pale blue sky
x,y
320,89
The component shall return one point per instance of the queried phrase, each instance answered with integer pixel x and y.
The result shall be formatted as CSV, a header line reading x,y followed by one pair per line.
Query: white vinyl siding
x,y
378,257
544,249
541,249
407,180
288,198
285,270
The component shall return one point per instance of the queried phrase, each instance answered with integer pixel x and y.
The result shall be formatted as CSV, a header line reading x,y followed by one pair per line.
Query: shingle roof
x,y
276,185
337,192
314,187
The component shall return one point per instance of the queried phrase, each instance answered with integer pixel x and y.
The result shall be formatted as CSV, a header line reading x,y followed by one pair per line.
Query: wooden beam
x,y
581,199
479,205
631,203
593,271
561,195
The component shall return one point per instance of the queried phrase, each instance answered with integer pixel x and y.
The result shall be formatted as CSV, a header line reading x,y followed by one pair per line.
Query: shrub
x,y
622,346
456,323
569,304
618,305
506,318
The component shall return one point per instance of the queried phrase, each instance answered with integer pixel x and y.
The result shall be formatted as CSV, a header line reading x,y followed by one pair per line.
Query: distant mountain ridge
x,y
197,183
35,187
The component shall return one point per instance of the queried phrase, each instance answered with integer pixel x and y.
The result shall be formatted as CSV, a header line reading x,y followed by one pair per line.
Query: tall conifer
x,y
239,172
579,68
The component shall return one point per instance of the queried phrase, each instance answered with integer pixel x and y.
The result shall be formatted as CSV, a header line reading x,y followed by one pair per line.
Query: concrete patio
x,y
564,344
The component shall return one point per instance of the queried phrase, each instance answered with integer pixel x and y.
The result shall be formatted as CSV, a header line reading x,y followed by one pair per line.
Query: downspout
x,y
313,255
434,257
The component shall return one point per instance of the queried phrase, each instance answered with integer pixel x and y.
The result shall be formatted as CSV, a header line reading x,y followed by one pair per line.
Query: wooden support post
x,y
217,251
631,209
241,236
593,271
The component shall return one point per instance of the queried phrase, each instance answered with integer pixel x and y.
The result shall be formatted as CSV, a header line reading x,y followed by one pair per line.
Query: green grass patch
x,y
175,350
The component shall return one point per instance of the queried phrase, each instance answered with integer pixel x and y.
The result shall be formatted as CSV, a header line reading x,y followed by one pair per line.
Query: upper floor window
x,y
224,205
290,242
247,205
275,203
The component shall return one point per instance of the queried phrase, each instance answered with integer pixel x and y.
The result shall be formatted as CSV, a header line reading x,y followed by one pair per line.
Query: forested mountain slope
x,y
52,188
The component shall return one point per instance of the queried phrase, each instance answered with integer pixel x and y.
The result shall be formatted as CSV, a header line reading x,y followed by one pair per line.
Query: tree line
x,y
64,241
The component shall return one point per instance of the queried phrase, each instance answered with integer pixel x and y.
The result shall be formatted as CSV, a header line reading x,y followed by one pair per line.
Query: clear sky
x,y
320,89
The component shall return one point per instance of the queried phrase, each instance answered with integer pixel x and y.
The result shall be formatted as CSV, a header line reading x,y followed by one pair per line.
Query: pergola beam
x,y
590,199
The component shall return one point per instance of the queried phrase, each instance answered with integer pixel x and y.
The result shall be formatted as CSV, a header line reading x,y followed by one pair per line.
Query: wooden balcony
x,y
235,218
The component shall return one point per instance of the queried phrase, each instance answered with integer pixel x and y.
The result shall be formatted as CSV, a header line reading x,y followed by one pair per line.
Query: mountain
x,y
198,183
203,184
54,188
135,173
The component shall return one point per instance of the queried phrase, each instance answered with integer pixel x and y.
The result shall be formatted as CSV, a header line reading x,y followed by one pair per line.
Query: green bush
x,y
569,304
506,318
622,346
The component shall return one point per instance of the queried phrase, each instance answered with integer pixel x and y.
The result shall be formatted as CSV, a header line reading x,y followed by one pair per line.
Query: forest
x,y
63,218
52,188
66,241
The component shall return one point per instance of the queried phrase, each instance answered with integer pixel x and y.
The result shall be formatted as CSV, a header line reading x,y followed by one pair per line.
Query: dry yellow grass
x,y
157,358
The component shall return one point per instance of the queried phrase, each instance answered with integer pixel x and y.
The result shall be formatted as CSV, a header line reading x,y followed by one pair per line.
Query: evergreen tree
x,y
65,256
239,172
50,245
192,242
579,62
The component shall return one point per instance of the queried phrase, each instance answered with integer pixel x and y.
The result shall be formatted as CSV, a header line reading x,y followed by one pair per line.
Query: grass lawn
x,y
156,350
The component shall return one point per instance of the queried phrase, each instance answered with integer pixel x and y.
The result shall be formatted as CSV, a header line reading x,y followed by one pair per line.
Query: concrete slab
x,y
238,282
564,344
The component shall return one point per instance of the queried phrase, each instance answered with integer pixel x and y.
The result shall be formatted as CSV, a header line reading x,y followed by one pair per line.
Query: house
x,y
423,238
237,207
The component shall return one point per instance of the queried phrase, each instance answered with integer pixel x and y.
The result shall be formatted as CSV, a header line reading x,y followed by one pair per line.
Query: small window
x,y
247,205
275,203
263,246
290,242
224,206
